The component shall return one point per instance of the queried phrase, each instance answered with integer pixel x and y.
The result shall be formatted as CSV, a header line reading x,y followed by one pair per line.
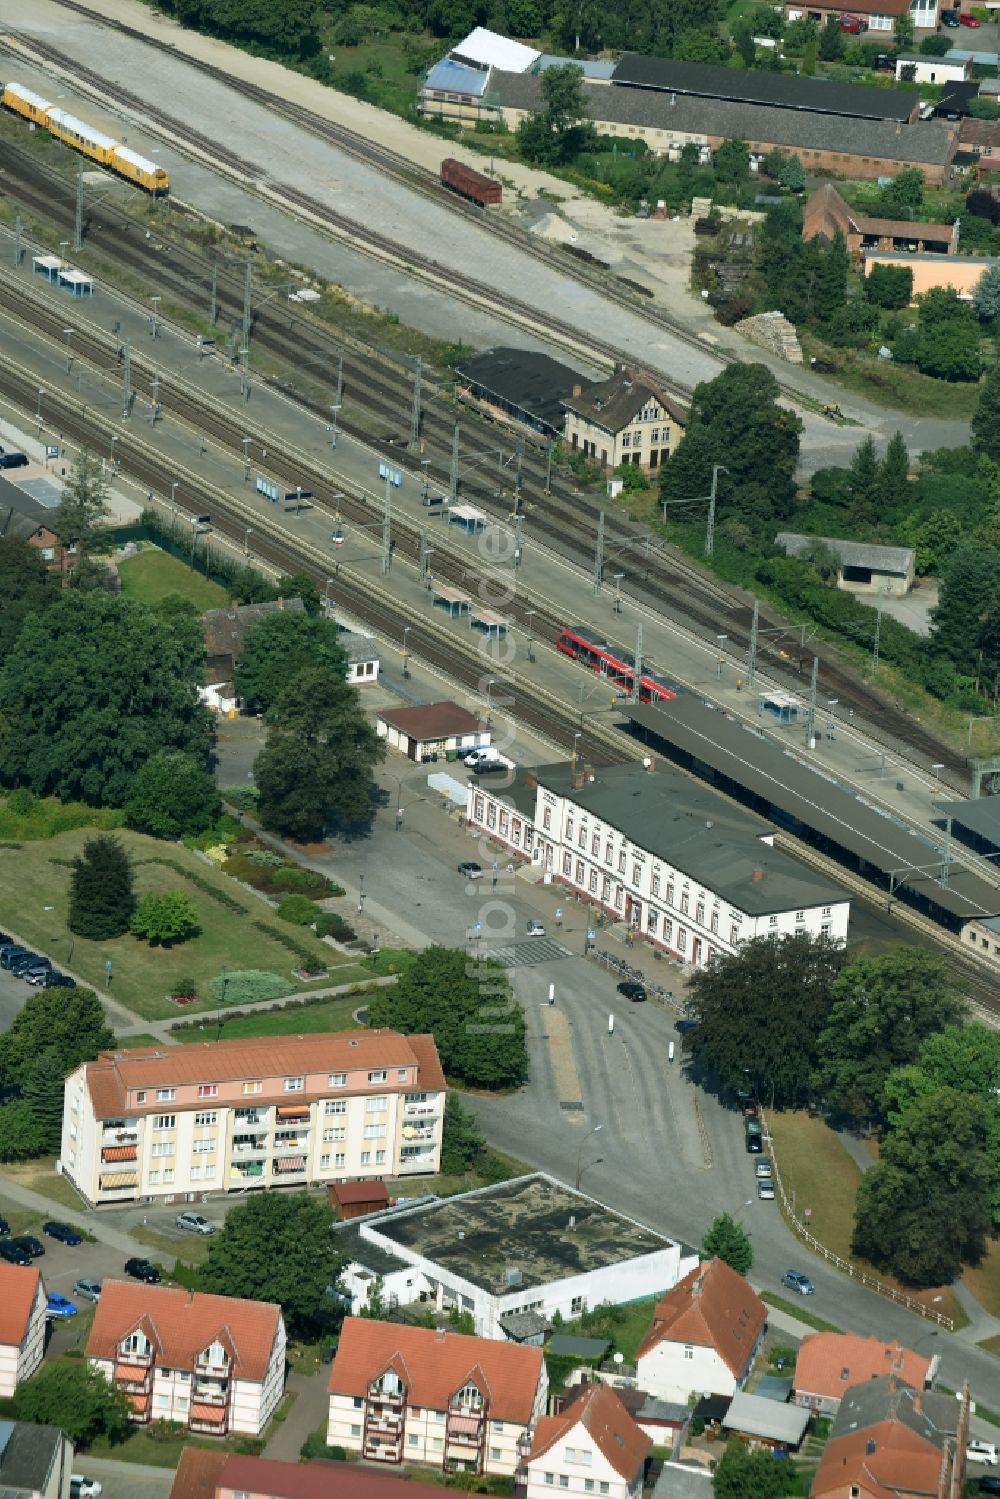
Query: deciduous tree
x,y
79,518
20,1134
26,587
76,1397
277,648
277,1248
986,296
728,1240
172,794
986,417
102,889
761,1011
731,162
966,622
70,1020
743,1474
468,1007
165,919
889,286
561,128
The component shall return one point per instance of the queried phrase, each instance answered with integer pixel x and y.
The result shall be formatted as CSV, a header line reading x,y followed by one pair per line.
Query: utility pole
x,y
213,311
519,468
599,554
634,694
154,408
878,632
548,467
387,528
518,539
126,381
78,219
453,476
752,646
245,337
811,714
415,413
717,469
18,252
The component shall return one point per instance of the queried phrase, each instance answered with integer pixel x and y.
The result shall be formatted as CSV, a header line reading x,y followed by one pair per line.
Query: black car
x,y
632,990
14,1253
29,964
685,1024
4,1226
10,955
64,1232
56,980
143,1270
32,1247
989,1484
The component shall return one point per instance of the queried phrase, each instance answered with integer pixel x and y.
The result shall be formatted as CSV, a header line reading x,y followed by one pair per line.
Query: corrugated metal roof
x,y
852,553
981,816
490,50
759,1417
780,90
456,78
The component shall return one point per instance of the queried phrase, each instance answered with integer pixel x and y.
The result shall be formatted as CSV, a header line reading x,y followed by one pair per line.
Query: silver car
x,y
88,1290
194,1223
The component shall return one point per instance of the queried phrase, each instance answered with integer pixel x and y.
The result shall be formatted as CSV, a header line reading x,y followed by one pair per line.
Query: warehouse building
x,y
864,567
518,385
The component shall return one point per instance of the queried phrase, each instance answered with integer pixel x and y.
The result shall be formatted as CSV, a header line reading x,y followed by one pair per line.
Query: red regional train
x,y
614,663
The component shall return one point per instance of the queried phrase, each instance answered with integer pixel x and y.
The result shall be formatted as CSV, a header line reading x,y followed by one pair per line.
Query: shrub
x,y
21,802
300,881
315,1446
184,988
307,961
298,909
329,924
247,985
242,797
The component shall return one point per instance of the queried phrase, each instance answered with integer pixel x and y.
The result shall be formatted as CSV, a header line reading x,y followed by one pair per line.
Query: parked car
x,y
764,1167
10,954
31,1246
765,1189
89,1290
950,18
56,980
82,1487
22,966
5,940
797,1282
14,1253
471,869
966,19
685,1024
754,1142
747,1104
535,927
631,989
140,1269
194,1223
64,1232
977,1451
853,25
58,1308
13,460
39,977
989,1483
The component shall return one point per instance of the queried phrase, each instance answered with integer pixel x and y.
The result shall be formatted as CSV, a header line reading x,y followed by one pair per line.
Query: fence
x,y
869,1281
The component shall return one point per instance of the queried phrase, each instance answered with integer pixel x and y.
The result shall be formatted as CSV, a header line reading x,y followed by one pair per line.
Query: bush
x,y
247,985
315,1446
298,909
329,924
309,962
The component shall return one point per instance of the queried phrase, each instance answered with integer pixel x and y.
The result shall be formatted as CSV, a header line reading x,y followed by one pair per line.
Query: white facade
x,y
575,1465
424,1433
654,896
675,1371
19,1360
930,69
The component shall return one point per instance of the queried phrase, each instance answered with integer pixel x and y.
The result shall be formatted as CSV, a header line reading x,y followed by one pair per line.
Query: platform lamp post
x,y
576,742
173,500
529,615
327,600
68,333
246,441
38,413
406,654
248,532
332,429
831,724
579,1155
937,768
721,661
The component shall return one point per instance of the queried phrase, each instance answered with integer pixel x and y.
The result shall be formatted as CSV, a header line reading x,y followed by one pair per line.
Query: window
x,y
715,921
377,1077
606,888
800,916
154,1177
340,1159
337,1080
621,862
550,1479
140,1097
652,920
366,1158
165,1095
334,1135
576,1306
567,864
206,1146
164,1121
564,1480
375,1131
593,881
569,828
355,1431
655,886
335,1106
496,1453
772,921
254,1087
688,1351
595,845
162,1147
208,1090
670,892
608,852
375,1105
547,818
324,1162
626,439
201,1120
498,1426
699,914
380,1157
294,1084
588,1485
413,1439
825,929
636,874
685,903
579,871
827,911
582,838
603,1488
734,935
682,939
168,1175
654,436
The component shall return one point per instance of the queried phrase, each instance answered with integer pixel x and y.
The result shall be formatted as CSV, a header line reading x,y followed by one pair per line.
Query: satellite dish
x,y
619,1358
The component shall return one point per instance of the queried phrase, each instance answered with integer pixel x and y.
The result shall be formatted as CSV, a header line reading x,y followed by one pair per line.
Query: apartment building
x,y
214,1364
22,1324
592,1447
672,859
186,1121
403,1394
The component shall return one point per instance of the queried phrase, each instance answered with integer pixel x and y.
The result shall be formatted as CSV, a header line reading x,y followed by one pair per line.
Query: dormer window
x,y
215,1354
471,1396
136,1342
389,1384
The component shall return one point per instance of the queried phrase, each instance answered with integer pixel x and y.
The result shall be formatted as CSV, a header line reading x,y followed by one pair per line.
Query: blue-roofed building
x,y
454,91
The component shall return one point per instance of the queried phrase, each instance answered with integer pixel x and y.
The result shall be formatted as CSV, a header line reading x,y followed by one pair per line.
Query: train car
x,y
140,170
81,136
469,183
613,662
654,688
24,101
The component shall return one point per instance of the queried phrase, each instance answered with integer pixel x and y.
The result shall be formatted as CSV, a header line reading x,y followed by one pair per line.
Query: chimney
x,y
577,392
757,875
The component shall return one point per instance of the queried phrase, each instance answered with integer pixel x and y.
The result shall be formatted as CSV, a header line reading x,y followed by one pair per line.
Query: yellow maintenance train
x,y
83,137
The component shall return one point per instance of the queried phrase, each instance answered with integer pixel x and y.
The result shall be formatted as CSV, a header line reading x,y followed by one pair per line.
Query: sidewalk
x,y
309,1410
102,1231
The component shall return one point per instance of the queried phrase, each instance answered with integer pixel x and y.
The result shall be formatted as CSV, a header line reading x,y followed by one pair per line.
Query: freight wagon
x,y
469,183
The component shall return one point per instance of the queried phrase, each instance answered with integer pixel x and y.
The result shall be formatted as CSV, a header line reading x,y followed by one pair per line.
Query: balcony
x,y
214,1391
290,1145
287,1168
293,1113
415,1133
245,1147
421,1110
422,1160
247,1119
119,1134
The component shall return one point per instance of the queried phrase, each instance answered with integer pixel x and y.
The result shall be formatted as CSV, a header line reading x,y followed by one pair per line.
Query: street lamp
x,y
69,353
579,1154
38,413
113,441
406,654
361,893
248,532
246,441
831,703
333,427
173,499
617,580
328,601
489,685
576,740
937,768
722,640
529,615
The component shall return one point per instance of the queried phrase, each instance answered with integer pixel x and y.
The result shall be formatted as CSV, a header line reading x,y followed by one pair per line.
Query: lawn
x,y
984,1282
192,1249
822,1179
292,1020
801,1312
41,1176
152,575
34,895
899,386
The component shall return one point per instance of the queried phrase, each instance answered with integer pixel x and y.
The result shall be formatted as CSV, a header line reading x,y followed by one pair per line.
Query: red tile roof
x,y
315,1480
18,1289
433,720
612,1430
181,1324
197,1473
435,1365
887,1461
264,1057
712,1307
830,1362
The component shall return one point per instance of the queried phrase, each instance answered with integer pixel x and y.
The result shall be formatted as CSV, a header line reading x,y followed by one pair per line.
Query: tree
x,y
934,45
889,286
743,1474
76,1397
316,768
301,586
91,688
924,1210
966,622
809,58
882,1010
893,478
986,295
26,587
982,108
904,195
462,1142
831,40
277,1248
165,919
20,1133
731,162
760,1012
70,1020
986,417
829,286
745,44
728,1240
903,29
561,128
863,484
792,175
83,508
468,1008
700,44
950,351
44,1093
277,648
172,794
102,890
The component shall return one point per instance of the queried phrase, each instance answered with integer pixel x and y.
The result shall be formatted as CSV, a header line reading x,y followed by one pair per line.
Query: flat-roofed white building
x,y
267,1111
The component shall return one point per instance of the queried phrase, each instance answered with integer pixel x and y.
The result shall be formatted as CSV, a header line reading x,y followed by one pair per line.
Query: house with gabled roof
x,y
215,1364
704,1335
442,1399
829,1363
22,1324
592,1447
890,1441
